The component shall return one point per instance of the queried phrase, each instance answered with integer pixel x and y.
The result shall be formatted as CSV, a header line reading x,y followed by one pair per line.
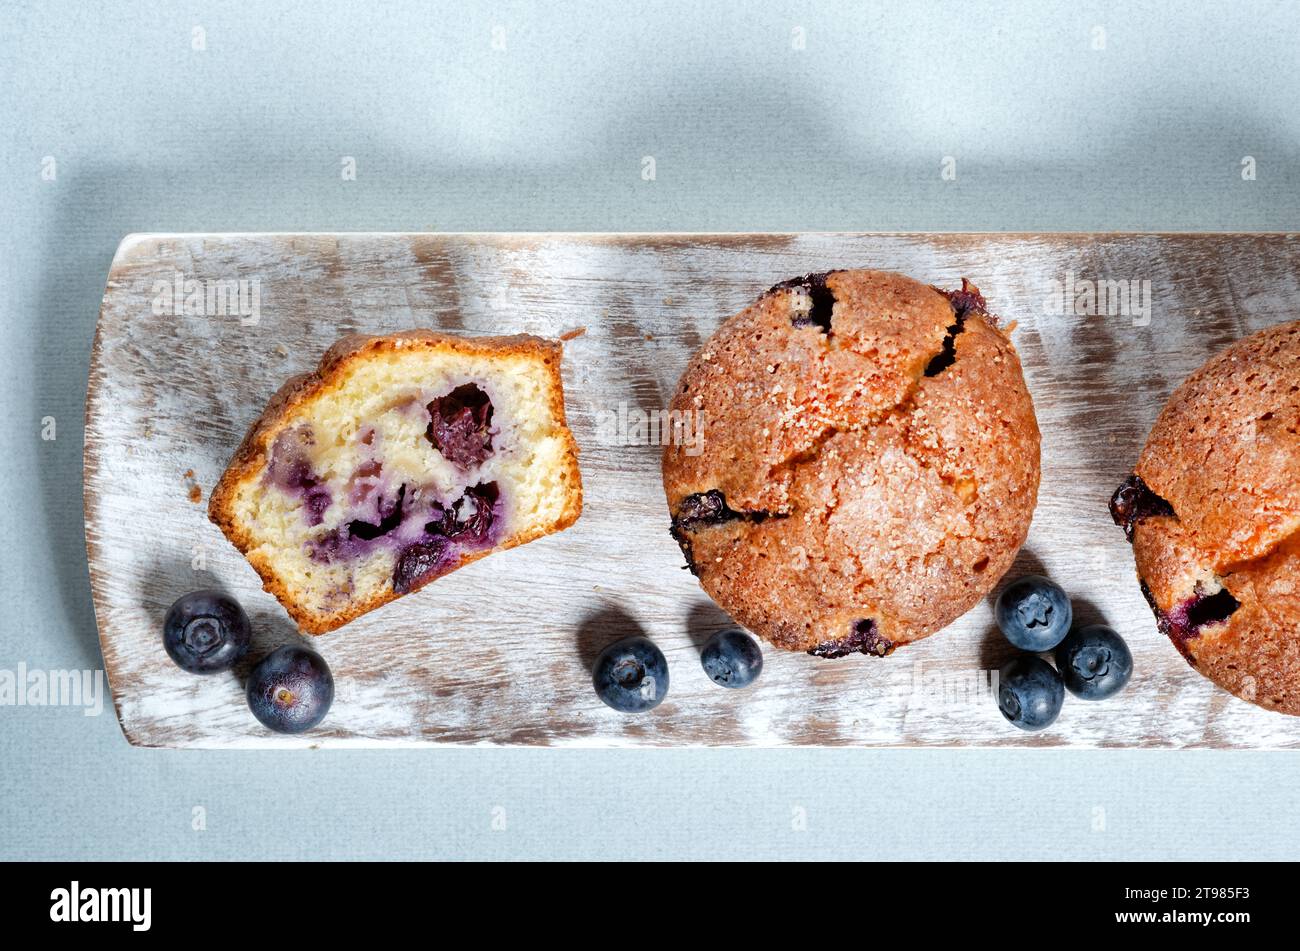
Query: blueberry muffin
x,y
400,459
869,466
1213,512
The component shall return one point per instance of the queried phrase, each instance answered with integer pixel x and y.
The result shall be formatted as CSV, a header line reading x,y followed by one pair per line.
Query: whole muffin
x,y
1213,512
869,463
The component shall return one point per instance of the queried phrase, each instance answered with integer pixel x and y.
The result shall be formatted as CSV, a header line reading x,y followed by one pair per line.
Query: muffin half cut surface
x,y
400,459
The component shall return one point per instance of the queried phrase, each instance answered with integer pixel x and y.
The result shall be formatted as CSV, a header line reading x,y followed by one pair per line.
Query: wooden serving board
x,y
499,652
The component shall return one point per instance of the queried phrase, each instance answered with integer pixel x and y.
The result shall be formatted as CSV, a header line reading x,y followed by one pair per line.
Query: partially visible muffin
x,y
400,459
1213,512
870,461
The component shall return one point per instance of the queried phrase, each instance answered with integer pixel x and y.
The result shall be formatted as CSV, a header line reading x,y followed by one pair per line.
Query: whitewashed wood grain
x,y
498,653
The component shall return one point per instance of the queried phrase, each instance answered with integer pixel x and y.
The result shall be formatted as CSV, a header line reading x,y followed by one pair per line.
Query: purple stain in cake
x,y
364,482
1134,501
316,501
290,471
440,520
865,638
426,534
390,517
288,466
459,426
1187,619
329,547
471,517
467,524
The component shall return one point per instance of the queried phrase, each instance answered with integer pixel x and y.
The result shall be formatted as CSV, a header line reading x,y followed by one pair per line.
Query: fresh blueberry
x,y
631,675
206,632
732,658
291,689
1034,614
1030,692
1094,662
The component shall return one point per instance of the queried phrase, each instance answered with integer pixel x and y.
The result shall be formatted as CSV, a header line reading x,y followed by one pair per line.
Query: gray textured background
x,y
451,133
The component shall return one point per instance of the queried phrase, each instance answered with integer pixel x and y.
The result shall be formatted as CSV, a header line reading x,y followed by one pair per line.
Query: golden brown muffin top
x,y
870,454
1214,516
1225,452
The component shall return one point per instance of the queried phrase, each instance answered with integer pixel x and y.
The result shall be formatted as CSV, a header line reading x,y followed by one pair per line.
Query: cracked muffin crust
x,y
1213,512
870,461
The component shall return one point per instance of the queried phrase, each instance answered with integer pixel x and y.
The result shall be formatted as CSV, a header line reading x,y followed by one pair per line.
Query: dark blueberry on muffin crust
x,y
1133,501
865,639
702,510
815,311
1186,619
964,302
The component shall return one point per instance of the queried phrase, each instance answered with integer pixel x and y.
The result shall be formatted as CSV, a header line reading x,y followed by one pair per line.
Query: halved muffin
x,y
400,459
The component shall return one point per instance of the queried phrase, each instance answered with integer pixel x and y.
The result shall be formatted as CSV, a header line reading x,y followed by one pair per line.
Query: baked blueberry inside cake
x,y
401,459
